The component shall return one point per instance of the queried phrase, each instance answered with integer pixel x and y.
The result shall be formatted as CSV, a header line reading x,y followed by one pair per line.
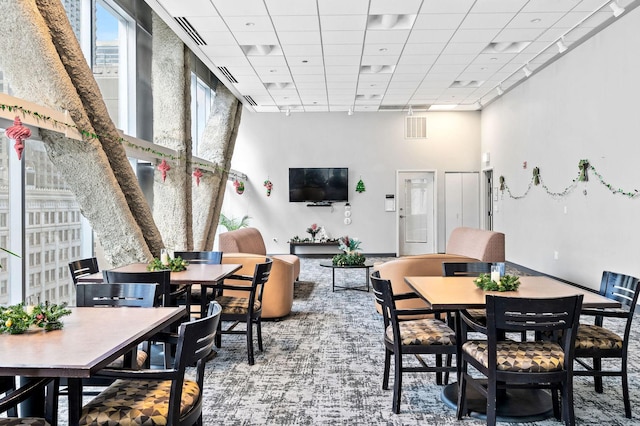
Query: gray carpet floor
x,y
322,365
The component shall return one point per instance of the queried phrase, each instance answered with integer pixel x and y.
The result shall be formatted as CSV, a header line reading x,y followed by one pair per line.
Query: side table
x,y
366,266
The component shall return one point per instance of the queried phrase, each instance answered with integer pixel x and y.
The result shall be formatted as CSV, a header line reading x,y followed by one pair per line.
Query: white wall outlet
x,y
555,255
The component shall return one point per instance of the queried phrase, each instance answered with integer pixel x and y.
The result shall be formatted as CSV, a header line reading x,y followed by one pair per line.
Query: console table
x,y
293,246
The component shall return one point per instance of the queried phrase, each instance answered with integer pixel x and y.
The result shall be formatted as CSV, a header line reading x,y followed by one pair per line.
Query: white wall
x,y
371,145
584,106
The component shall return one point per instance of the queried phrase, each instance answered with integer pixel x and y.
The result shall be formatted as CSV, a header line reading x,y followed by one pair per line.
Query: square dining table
x,y
206,275
90,339
458,293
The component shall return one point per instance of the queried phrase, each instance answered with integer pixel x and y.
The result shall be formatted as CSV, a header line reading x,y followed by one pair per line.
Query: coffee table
x,y
366,266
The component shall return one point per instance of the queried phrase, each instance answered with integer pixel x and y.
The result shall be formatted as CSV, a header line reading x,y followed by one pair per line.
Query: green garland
x,y
121,140
507,283
584,166
17,319
176,264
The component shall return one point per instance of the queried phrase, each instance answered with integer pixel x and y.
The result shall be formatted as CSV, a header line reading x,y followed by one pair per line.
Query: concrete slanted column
x,y
172,128
87,88
217,144
34,69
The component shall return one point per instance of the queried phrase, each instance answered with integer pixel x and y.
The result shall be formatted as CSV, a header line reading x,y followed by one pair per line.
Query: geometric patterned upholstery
x,y
424,332
140,402
237,305
537,356
141,358
593,337
21,422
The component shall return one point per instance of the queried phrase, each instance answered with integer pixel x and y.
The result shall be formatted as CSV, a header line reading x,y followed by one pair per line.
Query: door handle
x,y
401,216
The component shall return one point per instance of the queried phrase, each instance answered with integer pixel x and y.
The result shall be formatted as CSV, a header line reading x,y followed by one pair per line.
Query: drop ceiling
x,y
376,55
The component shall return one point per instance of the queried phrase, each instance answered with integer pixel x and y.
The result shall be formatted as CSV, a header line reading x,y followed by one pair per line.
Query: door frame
x,y
435,205
488,192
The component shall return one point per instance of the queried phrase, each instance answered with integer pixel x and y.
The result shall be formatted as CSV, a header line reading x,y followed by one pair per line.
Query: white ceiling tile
x,y
268,61
266,108
316,108
550,6
398,86
274,74
386,7
463,48
342,85
218,37
474,36
341,60
203,23
342,49
498,6
342,69
249,23
341,7
302,50
191,8
343,22
386,36
305,61
540,20
510,35
342,78
439,21
486,20
308,70
383,49
266,37
455,59
224,50
291,7
230,61
342,37
416,78
240,8
420,49
299,37
311,85
380,60
243,72
430,36
304,78
296,23
450,69
417,59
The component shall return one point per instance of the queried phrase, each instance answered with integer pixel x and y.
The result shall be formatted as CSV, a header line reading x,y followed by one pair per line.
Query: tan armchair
x,y
277,299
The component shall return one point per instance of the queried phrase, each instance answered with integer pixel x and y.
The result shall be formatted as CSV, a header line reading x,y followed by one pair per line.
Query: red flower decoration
x,y
164,168
197,174
19,133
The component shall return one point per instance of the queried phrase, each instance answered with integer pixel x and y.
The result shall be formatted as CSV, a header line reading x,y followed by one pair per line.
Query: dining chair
x,y
139,295
82,267
244,306
164,294
426,336
597,342
533,364
160,396
33,388
203,257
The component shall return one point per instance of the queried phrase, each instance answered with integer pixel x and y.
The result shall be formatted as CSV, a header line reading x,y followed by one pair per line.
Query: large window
x,y
200,109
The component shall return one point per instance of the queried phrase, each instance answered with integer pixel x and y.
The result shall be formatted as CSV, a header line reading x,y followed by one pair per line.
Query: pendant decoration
x,y
19,133
164,167
197,173
239,185
583,165
360,186
269,186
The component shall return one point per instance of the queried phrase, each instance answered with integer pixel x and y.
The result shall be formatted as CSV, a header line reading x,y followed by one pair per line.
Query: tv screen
x,y
318,184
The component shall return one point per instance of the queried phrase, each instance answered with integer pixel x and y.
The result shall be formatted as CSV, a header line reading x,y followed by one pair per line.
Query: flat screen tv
x,y
318,184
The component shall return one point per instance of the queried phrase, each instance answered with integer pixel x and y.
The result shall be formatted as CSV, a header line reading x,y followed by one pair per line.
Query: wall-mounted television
x,y
318,184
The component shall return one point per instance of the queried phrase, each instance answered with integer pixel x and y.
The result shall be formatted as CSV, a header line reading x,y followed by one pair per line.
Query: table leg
x,y
366,271
75,400
33,406
333,279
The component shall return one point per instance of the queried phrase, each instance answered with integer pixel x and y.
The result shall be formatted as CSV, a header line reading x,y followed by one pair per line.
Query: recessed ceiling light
x,y
382,49
536,20
304,61
273,70
249,24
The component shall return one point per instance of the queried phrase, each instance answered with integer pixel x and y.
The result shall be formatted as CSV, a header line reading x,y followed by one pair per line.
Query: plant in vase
x,y
350,257
313,230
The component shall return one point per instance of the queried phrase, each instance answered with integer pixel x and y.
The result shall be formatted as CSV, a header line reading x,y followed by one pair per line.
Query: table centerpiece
x,y
504,283
17,319
350,257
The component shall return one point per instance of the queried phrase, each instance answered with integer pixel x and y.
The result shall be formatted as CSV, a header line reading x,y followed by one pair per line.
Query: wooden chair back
x,y
465,269
162,278
82,267
206,257
141,295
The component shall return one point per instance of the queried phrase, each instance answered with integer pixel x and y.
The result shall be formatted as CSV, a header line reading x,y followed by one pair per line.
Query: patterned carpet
x,y
322,365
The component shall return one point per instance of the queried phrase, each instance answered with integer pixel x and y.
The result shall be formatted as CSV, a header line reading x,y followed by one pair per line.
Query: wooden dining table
x,y
458,293
206,275
90,339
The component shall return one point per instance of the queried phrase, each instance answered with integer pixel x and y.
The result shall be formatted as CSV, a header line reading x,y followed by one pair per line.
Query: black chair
x,y
527,364
82,267
164,294
246,308
427,336
202,257
165,396
33,388
597,342
142,295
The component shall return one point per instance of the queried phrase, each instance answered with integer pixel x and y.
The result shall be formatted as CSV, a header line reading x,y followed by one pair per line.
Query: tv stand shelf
x,y
328,244
320,204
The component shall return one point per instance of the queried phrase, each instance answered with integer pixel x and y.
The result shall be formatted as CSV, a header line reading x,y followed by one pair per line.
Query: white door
x,y
462,200
416,212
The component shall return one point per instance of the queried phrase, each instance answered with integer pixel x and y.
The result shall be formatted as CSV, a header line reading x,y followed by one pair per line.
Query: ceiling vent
x,y
188,28
261,49
279,85
250,100
390,22
377,69
506,47
227,74
415,127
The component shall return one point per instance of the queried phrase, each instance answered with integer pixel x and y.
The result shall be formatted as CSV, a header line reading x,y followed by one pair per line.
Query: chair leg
x,y
568,414
387,367
397,382
491,402
250,342
218,338
555,402
462,393
259,334
597,380
625,388
439,373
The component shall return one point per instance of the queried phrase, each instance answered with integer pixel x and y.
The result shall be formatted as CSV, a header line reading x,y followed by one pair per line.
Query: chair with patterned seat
x,y
164,396
596,342
244,305
35,387
403,336
534,364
